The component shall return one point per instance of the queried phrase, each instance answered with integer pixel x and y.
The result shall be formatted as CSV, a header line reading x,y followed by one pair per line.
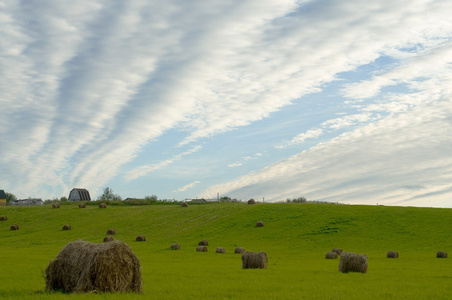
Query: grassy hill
x,y
295,237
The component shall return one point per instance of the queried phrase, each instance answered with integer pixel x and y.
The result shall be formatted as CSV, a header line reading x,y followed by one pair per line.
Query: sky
x,y
340,101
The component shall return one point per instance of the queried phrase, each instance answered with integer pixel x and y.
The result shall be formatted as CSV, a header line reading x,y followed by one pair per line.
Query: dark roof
x,y
83,194
2,194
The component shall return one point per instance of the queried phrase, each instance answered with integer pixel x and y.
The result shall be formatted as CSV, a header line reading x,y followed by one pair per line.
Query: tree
x,y
109,195
10,197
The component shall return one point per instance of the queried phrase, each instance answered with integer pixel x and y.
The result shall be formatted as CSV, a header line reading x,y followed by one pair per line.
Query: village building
x,y
27,202
79,195
2,198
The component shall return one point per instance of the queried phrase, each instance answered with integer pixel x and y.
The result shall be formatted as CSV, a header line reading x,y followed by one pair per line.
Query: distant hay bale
x,y
82,205
239,250
260,224
392,254
220,250
201,249
441,254
184,204
83,267
3,218
67,227
111,231
337,250
203,243
108,239
331,255
251,201
352,262
254,260
102,205
175,247
56,205
140,238
14,227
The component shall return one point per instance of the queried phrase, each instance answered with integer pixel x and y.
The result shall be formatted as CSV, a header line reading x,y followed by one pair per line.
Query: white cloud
x,y
235,165
188,186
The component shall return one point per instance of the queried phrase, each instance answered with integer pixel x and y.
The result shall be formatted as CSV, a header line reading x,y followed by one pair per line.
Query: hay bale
x,y
111,231
14,227
260,224
102,205
392,254
56,205
239,250
352,262
184,204
83,267
203,243
337,250
140,238
201,249
331,255
441,254
175,247
67,227
254,260
82,205
3,218
251,201
220,250
108,239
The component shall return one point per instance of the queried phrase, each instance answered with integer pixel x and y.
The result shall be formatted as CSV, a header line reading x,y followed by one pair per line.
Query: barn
x,y
2,198
79,195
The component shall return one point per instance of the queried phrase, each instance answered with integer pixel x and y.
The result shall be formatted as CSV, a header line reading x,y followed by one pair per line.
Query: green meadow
x,y
295,237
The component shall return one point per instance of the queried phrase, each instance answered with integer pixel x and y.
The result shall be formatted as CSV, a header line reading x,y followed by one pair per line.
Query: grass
x,y
295,237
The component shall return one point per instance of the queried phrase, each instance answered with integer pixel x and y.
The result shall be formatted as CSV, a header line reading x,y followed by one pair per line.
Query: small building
x,y
2,198
202,200
27,202
79,195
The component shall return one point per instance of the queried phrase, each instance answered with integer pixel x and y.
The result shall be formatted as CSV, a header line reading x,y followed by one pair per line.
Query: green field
x,y
295,237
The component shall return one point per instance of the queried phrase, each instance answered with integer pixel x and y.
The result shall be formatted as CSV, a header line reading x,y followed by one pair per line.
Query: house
x,y
79,195
2,198
27,202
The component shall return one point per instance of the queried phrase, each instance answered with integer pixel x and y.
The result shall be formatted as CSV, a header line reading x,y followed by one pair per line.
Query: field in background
x,y
295,237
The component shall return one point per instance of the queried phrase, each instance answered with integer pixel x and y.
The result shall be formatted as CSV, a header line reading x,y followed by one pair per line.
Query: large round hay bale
x,y
392,254
441,254
140,238
184,204
251,201
14,227
3,218
83,267
331,255
254,260
108,239
239,250
260,224
220,250
201,249
56,205
82,205
337,250
203,243
67,227
102,205
175,247
111,231
352,262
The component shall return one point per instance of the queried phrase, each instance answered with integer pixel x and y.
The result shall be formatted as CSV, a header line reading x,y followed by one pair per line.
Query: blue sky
x,y
343,101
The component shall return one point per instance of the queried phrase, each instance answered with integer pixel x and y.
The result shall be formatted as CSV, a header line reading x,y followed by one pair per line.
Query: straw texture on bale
x,y
83,267
260,224
254,260
3,218
352,262
175,247
102,205
337,250
239,250
140,238
14,227
184,204
111,231
82,205
108,239
251,201
203,243
220,250
331,255
56,205
441,254
201,249
392,254
67,227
